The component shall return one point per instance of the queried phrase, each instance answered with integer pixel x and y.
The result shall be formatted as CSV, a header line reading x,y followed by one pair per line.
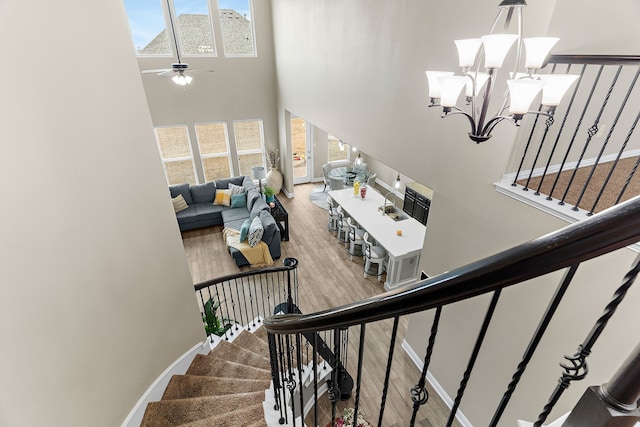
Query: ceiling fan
x,y
179,71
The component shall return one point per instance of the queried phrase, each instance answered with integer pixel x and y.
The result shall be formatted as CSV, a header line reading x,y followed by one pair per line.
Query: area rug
x,y
319,197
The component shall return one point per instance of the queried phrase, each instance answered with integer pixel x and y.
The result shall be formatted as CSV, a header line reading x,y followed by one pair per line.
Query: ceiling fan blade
x,y
161,70
165,73
200,71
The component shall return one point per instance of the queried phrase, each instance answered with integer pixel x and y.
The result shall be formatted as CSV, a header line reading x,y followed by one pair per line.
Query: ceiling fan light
x,y
496,47
181,79
467,51
522,92
450,87
434,84
538,49
556,86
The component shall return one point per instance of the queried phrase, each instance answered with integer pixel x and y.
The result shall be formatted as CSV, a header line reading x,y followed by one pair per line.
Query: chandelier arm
x,y
469,117
494,121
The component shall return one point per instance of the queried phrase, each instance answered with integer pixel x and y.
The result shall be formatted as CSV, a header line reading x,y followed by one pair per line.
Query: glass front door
x,y
300,150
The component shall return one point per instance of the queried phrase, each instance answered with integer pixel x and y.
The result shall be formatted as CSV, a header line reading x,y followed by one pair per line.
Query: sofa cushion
x,y
248,183
232,215
223,198
244,230
255,232
188,215
209,212
179,204
183,189
236,189
269,225
252,196
203,193
223,183
258,205
238,200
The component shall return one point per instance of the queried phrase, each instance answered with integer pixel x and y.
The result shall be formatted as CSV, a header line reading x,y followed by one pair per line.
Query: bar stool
x,y
356,238
332,223
373,255
343,227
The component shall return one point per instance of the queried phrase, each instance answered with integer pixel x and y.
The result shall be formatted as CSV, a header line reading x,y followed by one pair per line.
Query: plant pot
x,y
269,199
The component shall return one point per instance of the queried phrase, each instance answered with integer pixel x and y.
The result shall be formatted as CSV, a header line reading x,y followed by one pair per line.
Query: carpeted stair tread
x,y
235,353
209,366
168,413
185,386
261,333
245,417
252,342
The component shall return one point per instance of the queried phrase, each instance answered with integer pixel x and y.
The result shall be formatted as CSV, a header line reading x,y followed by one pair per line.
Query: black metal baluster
x,y
524,155
245,322
591,132
275,375
575,132
299,357
535,159
291,382
264,280
419,394
359,374
283,376
226,304
577,368
334,387
252,319
204,312
387,375
474,356
606,141
233,306
633,170
533,343
315,379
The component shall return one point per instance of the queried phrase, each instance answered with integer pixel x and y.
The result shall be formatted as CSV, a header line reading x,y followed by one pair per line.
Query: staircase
x,y
224,388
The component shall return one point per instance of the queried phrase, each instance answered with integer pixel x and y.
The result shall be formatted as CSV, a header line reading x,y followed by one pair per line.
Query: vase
x,y
274,179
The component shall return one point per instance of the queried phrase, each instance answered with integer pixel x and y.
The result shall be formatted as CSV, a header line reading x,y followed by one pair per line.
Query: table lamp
x,y
259,173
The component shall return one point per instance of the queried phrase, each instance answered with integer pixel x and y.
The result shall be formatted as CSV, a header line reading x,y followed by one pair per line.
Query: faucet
x,y
384,204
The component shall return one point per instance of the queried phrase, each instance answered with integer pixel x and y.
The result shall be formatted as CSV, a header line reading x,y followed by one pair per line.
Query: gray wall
x,y
356,69
97,299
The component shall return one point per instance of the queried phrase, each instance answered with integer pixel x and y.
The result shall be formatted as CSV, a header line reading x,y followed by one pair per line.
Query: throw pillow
x,y
236,189
238,200
255,232
244,230
179,204
223,198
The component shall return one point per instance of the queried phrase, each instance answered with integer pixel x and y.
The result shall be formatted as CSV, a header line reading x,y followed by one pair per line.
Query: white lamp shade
x,y
181,79
259,172
538,49
522,92
480,80
450,88
434,84
556,85
496,47
467,51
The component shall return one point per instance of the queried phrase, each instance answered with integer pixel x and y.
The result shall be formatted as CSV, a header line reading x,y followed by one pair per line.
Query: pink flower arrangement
x,y
346,420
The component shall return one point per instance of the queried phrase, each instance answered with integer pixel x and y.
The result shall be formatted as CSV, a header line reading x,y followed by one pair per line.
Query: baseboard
x,y
435,384
156,389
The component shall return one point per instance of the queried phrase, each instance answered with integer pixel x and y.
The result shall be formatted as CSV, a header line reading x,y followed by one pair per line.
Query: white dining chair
x,y
373,254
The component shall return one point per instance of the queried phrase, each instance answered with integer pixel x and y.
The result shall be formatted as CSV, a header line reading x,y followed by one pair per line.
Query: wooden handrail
x,y
595,59
609,230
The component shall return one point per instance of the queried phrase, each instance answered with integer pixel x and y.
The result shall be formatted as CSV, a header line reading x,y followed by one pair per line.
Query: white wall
x,y
97,299
356,69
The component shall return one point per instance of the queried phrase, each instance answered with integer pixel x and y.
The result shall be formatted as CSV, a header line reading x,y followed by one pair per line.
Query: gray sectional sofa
x,y
201,212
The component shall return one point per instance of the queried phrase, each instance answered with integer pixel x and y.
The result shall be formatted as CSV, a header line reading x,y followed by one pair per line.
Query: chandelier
x,y
523,87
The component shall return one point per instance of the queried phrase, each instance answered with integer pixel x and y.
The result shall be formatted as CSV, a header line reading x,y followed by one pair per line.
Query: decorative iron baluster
x,y
359,375
575,132
474,356
577,368
533,344
290,381
283,374
606,141
275,375
635,166
419,394
564,121
334,386
387,375
244,300
315,379
300,364
533,130
235,322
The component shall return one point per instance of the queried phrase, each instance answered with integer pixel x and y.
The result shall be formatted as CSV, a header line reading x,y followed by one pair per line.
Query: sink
x,y
397,216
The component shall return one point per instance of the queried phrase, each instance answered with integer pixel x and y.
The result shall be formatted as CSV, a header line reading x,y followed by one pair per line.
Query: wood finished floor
x,y
328,279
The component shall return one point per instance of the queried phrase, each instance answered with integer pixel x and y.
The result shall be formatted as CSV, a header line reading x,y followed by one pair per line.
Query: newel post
x,y
614,404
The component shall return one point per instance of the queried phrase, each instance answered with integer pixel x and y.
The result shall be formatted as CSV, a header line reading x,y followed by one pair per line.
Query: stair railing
x,y
565,249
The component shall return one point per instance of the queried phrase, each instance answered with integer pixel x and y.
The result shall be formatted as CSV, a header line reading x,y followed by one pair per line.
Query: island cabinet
x,y
417,201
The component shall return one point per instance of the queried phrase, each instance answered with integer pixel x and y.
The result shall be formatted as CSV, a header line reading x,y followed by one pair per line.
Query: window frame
x,y
260,150
176,159
226,154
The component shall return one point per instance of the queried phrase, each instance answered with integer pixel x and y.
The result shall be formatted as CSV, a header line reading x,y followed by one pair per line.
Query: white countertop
x,y
382,228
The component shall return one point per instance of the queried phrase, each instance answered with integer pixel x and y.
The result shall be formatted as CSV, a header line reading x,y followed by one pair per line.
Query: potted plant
x,y
213,325
269,193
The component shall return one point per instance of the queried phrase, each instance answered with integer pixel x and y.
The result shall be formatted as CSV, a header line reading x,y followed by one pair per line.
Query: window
x,y
193,24
214,150
237,27
146,21
337,150
249,144
177,158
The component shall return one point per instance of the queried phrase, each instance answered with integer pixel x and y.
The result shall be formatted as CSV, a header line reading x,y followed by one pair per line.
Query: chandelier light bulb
x,y
434,84
450,87
556,85
537,49
522,92
467,51
496,48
